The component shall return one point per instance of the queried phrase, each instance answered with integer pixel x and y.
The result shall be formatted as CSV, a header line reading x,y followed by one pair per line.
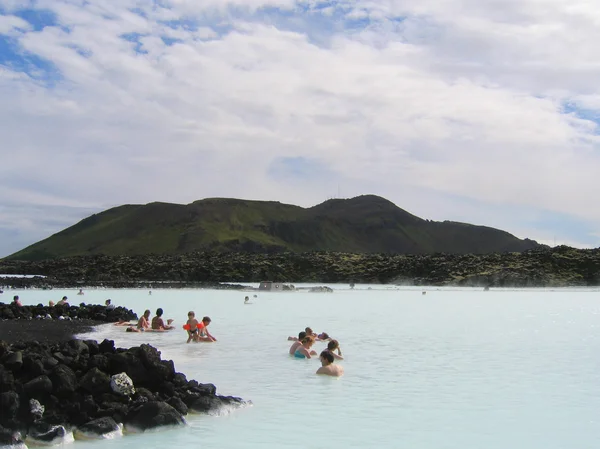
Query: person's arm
x,y
208,334
305,351
337,356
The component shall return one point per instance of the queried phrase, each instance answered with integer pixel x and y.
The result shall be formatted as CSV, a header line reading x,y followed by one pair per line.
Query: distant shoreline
x,y
543,267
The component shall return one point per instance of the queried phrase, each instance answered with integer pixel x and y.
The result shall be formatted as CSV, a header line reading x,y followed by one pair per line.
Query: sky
x,y
480,111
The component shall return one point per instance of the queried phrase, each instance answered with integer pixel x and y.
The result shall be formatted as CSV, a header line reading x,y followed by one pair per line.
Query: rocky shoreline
x,y
54,388
542,267
52,393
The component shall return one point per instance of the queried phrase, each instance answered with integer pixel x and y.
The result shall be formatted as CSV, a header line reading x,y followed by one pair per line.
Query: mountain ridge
x,y
363,224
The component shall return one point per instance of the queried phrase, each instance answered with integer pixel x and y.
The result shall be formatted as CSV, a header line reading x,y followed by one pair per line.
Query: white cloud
x,y
463,98
10,25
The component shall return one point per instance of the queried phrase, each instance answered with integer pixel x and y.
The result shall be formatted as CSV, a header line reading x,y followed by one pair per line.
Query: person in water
x,y
63,302
297,342
81,292
310,332
303,351
327,366
334,345
323,336
193,331
246,300
17,301
144,321
158,324
204,335
109,305
123,323
298,338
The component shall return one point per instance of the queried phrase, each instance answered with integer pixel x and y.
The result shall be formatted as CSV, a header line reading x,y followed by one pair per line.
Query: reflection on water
x,y
455,368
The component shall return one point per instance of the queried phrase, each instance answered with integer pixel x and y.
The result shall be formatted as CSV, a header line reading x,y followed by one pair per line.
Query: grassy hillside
x,y
365,224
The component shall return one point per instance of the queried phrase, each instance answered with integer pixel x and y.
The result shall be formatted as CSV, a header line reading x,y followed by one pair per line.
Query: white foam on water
x,y
59,441
14,446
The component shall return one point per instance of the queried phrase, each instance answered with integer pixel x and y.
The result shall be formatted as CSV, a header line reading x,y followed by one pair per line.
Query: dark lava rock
x,y
39,386
154,414
10,438
9,404
64,380
215,404
98,427
95,382
48,388
13,361
47,433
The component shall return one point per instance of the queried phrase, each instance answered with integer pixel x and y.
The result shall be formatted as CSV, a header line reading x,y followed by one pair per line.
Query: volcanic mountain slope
x,y
364,224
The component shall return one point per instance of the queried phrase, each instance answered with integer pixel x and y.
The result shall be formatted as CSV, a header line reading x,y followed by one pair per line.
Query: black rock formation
x,y
48,390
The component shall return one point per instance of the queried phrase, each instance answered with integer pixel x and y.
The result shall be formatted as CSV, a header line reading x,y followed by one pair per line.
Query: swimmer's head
x,y
326,357
159,312
308,341
323,335
147,313
301,335
333,344
206,320
191,314
308,331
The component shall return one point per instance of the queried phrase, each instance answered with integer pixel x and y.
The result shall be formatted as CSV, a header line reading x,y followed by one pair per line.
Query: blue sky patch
x,y
17,59
582,113
135,38
38,18
170,40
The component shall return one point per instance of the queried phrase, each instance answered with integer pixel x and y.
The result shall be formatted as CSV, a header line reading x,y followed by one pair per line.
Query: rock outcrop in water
x,y
543,267
48,392
61,312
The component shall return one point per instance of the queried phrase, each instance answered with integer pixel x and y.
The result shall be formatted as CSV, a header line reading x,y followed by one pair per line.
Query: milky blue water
x,y
449,369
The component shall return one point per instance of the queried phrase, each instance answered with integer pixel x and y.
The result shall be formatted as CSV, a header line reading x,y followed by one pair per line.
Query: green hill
x,y
365,224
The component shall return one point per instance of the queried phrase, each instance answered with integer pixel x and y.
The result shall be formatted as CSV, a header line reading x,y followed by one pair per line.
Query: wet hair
x,y
206,319
64,297
159,312
324,336
333,344
147,312
308,339
308,330
327,355
191,313
301,335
